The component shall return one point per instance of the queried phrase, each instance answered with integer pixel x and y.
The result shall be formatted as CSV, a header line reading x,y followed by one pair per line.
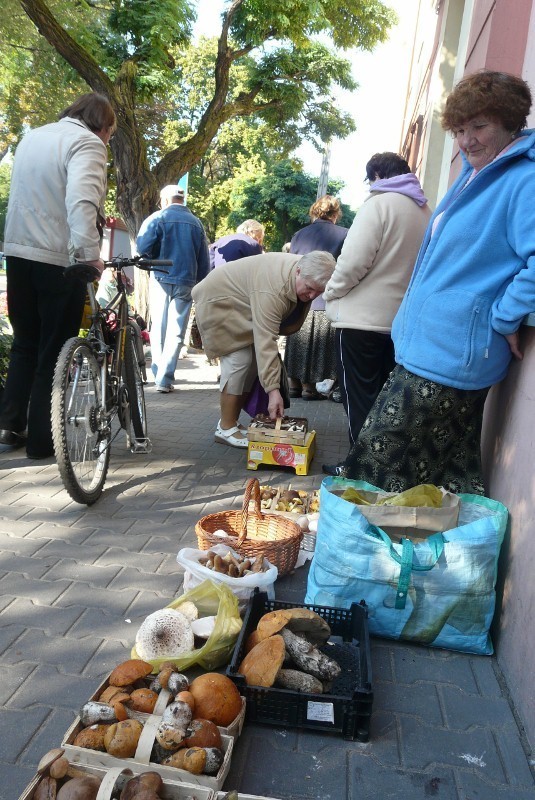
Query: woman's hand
x,y
275,404
514,343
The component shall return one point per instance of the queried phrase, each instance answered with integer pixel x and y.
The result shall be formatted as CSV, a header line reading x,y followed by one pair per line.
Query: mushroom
x,y
56,765
164,633
85,788
145,783
173,727
298,620
46,789
204,627
308,658
189,610
129,672
262,664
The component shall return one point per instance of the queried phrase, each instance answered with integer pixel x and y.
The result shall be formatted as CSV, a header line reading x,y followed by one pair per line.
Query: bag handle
x,y
405,560
252,488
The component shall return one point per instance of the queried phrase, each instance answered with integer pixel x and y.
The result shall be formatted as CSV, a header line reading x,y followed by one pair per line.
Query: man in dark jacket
x,y
173,233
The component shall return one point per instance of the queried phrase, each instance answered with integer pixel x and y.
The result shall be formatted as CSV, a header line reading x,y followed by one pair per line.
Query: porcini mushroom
x,y
261,665
297,620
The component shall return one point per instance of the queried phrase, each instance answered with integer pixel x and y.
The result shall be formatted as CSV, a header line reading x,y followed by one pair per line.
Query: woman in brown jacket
x,y
240,308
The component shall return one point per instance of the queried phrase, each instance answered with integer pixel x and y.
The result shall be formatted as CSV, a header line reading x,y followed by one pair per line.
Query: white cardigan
x,y
58,185
374,268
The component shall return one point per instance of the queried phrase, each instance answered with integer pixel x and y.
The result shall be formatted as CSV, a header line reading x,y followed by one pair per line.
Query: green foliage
x,y
273,68
280,199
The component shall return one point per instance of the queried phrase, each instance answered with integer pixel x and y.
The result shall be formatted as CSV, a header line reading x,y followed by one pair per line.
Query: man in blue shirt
x,y
173,233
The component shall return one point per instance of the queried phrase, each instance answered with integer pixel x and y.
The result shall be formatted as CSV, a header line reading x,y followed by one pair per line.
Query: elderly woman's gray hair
x,y
317,266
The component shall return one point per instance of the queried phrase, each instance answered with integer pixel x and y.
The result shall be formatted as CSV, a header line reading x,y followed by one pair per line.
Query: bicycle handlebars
x,y
88,273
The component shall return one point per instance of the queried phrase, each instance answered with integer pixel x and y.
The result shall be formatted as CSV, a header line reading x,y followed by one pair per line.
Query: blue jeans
x,y
170,306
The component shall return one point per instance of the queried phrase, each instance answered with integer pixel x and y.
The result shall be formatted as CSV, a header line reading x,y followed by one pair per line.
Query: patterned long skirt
x,y
310,356
417,432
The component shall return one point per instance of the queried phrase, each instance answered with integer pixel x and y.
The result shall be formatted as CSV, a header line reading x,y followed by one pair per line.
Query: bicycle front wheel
x,y
80,426
133,380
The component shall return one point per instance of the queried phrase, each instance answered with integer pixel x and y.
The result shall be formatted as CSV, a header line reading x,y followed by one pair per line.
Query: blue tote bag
x,y
439,591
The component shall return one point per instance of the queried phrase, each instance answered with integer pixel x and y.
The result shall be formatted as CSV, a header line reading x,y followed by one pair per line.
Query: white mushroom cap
x,y
163,634
189,610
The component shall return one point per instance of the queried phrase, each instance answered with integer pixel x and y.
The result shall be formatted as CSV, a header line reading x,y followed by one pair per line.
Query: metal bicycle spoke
x,y
80,425
135,416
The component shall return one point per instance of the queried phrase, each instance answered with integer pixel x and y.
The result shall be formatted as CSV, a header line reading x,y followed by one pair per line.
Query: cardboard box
x,y
283,454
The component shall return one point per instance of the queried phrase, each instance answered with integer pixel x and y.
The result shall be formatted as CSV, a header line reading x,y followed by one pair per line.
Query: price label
x,y
320,712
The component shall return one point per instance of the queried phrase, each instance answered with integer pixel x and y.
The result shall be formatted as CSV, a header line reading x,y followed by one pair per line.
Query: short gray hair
x,y
317,266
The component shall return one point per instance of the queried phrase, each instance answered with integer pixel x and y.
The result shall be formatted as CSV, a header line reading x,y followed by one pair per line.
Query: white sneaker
x,y
165,389
228,436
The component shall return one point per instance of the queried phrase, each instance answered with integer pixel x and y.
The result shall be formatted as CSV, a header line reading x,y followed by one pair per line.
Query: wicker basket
x,y
253,533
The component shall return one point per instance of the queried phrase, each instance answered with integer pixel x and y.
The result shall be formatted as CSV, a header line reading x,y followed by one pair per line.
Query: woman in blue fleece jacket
x,y
474,281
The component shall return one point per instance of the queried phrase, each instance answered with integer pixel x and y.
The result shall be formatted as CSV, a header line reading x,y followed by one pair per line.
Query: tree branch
x,y
68,48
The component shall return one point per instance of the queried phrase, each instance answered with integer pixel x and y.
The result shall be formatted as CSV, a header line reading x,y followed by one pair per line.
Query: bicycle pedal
x,y
141,446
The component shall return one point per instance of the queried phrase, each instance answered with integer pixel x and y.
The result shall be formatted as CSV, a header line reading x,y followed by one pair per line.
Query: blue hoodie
x,y
474,279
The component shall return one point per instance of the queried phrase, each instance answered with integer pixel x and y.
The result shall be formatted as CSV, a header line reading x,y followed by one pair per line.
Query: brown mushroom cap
x,y
46,789
272,623
80,789
48,759
129,672
262,664
298,620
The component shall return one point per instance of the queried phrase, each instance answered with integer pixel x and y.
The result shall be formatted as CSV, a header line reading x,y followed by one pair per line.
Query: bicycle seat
x,y
85,272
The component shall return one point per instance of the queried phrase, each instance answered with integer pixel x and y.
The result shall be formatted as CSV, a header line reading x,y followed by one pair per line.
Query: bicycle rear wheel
x,y
80,427
133,380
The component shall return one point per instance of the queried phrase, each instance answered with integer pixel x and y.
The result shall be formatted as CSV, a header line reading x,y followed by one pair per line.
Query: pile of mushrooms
x,y
61,781
290,636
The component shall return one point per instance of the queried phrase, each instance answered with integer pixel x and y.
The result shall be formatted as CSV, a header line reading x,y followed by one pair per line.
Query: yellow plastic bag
x,y
211,599
426,495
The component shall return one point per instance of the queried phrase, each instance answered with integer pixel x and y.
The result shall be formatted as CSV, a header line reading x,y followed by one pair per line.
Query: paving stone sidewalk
x,y
76,582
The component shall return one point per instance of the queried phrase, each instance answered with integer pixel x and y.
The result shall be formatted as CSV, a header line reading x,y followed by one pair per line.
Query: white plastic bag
x,y
242,587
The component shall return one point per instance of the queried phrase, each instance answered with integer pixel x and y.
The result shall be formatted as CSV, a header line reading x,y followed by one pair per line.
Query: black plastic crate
x,y
347,708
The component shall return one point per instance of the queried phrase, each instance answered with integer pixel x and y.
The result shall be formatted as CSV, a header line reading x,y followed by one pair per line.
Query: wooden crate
x,y
141,759
173,790
277,435
241,796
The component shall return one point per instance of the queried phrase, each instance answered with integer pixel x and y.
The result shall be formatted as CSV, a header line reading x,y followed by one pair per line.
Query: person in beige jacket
x,y
241,309
369,281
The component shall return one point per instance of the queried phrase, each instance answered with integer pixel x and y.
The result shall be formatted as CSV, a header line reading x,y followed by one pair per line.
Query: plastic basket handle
x,y
252,489
436,545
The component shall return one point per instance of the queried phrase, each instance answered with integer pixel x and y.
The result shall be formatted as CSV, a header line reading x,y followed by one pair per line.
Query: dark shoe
x,y
311,394
294,392
337,470
12,439
336,396
39,456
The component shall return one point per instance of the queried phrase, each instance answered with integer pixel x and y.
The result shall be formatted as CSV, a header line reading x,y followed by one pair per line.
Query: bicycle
x,y
97,379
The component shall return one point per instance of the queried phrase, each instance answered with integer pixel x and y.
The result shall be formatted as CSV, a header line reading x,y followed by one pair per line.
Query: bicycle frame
x,y
110,358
